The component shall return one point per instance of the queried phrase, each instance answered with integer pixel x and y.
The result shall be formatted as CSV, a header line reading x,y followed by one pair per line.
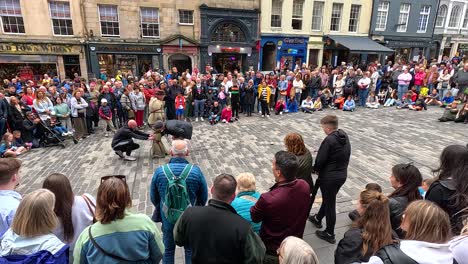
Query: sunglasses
x,y
120,177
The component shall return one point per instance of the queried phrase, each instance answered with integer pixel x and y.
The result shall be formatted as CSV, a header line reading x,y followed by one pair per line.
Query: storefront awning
x,y
360,44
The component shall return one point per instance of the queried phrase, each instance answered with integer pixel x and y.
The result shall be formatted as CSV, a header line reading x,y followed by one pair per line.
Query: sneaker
x,y
75,140
263,115
106,134
281,113
120,154
324,235
130,158
313,219
268,116
196,119
201,118
64,134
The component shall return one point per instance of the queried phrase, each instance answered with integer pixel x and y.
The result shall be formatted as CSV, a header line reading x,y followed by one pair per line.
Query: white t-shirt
x,y
365,81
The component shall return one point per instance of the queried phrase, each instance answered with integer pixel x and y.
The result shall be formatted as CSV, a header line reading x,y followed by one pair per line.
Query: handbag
x,y
131,114
91,206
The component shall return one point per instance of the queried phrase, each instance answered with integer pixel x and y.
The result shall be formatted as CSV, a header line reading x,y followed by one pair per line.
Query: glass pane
x,y
226,32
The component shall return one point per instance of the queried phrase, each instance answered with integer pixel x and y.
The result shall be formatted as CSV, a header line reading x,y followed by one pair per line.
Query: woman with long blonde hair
x,y
30,236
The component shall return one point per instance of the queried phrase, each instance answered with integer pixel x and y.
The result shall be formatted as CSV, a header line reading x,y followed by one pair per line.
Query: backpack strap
x,y
100,249
91,206
183,175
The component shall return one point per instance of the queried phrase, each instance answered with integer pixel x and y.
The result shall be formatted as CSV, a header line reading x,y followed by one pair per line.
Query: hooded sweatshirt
x,y
333,156
423,253
459,246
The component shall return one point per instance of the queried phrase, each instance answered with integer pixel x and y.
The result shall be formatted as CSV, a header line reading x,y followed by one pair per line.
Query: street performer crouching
x,y
123,140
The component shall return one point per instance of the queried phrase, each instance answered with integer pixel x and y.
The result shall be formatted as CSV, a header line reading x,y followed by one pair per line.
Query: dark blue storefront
x,y
283,51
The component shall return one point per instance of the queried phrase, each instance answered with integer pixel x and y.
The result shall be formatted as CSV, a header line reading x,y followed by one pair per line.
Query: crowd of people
x,y
422,221
50,110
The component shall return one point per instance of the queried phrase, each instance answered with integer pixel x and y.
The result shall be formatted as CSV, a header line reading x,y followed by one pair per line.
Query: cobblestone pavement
x,y
380,138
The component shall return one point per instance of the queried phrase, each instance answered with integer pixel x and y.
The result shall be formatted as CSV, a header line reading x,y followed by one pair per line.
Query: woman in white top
x,y
298,86
339,84
444,83
43,105
75,213
459,246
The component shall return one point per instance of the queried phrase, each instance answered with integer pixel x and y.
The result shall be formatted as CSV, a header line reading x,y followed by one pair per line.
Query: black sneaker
x,y
313,219
120,154
324,235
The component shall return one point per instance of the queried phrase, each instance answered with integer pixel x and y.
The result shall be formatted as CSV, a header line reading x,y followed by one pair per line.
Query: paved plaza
x,y
380,139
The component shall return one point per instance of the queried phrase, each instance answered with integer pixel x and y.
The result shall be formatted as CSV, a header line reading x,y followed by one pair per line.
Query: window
x,y
61,18
465,21
149,22
12,19
354,18
455,16
186,17
109,18
382,13
423,19
276,11
227,32
297,14
336,17
441,16
317,15
403,18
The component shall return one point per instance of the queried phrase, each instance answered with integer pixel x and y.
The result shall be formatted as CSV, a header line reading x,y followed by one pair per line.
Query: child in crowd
x,y
424,91
291,104
222,97
226,115
433,98
372,101
62,110
57,126
317,105
307,105
426,183
419,105
158,150
19,141
447,100
406,102
105,112
383,93
392,99
349,105
215,113
462,114
327,97
8,147
280,106
180,106
264,94
354,215
339,102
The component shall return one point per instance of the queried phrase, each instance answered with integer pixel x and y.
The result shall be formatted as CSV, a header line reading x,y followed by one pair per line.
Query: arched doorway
x,y
269,56
180,61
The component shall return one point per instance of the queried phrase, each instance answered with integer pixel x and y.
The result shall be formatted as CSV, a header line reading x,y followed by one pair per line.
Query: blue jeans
x,y
402,90
418,88
60,129
362,93
442,93
298,98
313,93
199,108
169,245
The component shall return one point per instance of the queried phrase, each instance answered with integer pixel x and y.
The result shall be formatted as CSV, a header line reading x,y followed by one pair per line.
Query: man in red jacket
x,y
284,209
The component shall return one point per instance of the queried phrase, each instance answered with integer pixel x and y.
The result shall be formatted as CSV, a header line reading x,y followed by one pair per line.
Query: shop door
x,y
269,57
225,62
144,64
181,62
72,66
313,57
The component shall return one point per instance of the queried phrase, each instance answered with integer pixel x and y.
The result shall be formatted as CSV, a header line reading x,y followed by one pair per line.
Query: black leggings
x,y
329,191
126,146
265,108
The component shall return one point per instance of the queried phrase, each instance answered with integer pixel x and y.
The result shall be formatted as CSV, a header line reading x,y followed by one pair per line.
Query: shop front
x,y
408,50
228,39
30,61
180,52
282,52
128,58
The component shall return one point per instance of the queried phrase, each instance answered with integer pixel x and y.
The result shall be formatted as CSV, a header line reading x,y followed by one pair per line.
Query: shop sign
x,y
407,44
126,48
25,48
294,40
230,50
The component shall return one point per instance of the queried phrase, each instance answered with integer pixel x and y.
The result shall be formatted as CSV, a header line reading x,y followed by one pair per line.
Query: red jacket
x,y
226,114
180,101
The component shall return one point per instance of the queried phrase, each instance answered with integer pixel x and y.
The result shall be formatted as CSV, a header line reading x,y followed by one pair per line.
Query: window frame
x,y
444,17
52,19
403,12
273,13
185,10
421,14
322,3
151,23
297,17
354,18
379,9
100,21
458,18
338,17
15,16
465,21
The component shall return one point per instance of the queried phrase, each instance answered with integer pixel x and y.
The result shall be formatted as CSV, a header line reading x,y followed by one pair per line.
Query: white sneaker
x,y
281,113
263,115
130,158
224,121
201,118
196,119
268,116
64,134
106,134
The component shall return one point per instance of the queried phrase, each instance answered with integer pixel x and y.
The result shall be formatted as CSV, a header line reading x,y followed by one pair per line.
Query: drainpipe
x,y
433,28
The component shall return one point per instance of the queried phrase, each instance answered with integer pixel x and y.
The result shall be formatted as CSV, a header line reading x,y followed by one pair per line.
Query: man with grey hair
x,y
178,177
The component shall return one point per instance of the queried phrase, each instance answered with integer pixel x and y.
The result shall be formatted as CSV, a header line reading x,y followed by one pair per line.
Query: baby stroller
x,y
50,138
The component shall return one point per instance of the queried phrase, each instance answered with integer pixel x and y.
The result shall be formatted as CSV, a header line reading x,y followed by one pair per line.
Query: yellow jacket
x,y
260,88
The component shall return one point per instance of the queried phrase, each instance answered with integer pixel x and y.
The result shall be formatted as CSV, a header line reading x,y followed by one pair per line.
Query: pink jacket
x,y
226,114
419,78
404,79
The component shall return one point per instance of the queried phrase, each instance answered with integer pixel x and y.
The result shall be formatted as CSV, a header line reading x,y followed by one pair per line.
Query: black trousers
x,y
235,102
265,108
126,146
329,191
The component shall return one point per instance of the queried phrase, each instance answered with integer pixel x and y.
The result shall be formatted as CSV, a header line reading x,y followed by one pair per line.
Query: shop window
x,y
71,65
455,16
297,14
354,18
12,19
61,17
227,32
441,15
276,11
109,18
382,14
403,18
149,22
186,17
337,11
423,18
317,15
